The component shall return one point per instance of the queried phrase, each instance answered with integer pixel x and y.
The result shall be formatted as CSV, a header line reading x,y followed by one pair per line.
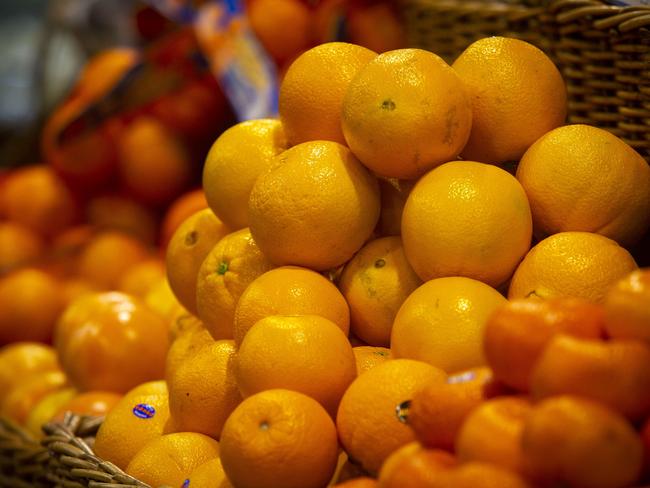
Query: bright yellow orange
x,y
393,195
375,283
19,246
405,113
20,360
341,215
187,204
141,277
233,263
123,214
517,95
209,475
289,290
442,323
413,466
22,399
368,426
236,159
467,219
367,357
627,315
579,264
279,438
304,353
310,103
582,178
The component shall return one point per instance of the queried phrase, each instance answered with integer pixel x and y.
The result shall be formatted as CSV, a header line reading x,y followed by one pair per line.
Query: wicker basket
x,y
602,50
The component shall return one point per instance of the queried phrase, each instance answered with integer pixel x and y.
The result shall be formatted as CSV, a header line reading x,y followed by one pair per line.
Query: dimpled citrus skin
x,y
316,208
582,178
405,113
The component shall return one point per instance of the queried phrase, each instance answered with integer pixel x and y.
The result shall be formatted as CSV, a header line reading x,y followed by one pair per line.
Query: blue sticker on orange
x,y
144,411
186,483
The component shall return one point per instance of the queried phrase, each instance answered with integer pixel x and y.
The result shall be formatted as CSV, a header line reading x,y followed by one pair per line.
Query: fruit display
x,y
416,275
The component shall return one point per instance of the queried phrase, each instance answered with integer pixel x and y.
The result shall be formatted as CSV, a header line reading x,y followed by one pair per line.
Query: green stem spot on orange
x,y
222,268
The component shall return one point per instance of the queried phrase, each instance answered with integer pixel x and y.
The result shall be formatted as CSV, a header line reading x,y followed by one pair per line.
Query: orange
x,y
579,264
22,399
154,165
30,304
467,219
139,417
626,307
111,341
161,299
19,246
368,426
367,357
342,210
209,475
182,322
375,282
44,411
122,214
282,26
170,459
188,247
236,159
37,198
310,103
279,438
139,279
108,256
20,360
582,178
232,264
413,466
203,390
73,288
517,332
361,482
614,373
289,290
304,353
95,403
393,195
517,95
405,113
437,412
576,442
185,346
442,323
479,475
376,26
180,209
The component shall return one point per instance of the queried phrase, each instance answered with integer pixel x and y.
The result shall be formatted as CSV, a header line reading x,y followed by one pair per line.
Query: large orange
x,y
187,204
579,264
310,103
626,307
279,438
405,113
19,245
111,341
20,360
289,290
582,178
466,219
517,96
316,208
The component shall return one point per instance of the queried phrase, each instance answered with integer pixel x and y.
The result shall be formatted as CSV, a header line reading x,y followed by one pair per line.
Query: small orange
x,y
406,112
19,246
209,475
627,314
187,204
279,438
114,212
289,290
20,360
367,357
304,353
141,277
24,396
95,403
368,426
375,282
393,195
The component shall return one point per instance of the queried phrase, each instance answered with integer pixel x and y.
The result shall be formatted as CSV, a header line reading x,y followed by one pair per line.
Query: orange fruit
x,y
368,426
161,299
122,214
582,178
376,26
406,112
30,304
627,315
170,459
309,103
579,264
232,264
111,342
20,360
74,288
375,283
479,475
44,411
21,400
614,373
209,475
367,357
37,198
236,159
342,212
203,390
139,279
437,411
413,466
289,290
282,26
304,353
153,163
517,332
279,438
362,482
183,322
139,417
188,247
577,442
467,219
185,346
19,246
517,95
393,194
442,323
108,256
95,403
180,209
